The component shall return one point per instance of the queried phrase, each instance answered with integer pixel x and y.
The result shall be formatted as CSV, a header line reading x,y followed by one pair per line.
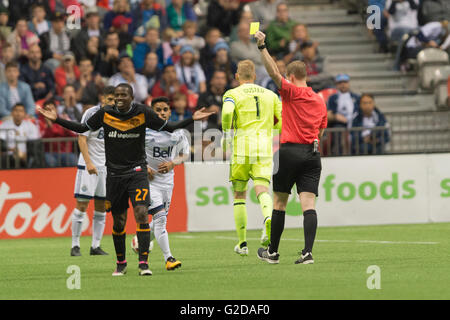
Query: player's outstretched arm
x,y
269,63
171,126
50,114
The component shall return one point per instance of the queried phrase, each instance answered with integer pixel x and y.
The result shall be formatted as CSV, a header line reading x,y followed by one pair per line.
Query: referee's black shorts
x,y
299,165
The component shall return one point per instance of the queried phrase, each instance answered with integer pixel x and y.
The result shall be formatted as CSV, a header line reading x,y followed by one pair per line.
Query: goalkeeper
x,y
250,110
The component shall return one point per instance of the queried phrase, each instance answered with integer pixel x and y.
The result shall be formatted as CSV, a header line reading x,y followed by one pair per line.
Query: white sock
x,y
152,230
162,236
98,226
77,224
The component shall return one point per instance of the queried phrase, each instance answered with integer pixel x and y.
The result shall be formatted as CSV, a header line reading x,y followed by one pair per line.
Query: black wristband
x,y
262,47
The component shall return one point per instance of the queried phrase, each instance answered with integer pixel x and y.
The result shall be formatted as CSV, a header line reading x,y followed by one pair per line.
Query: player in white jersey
x,y
90,181
164,151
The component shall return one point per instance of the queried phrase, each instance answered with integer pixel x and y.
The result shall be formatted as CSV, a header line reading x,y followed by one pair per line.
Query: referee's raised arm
x,y
268,61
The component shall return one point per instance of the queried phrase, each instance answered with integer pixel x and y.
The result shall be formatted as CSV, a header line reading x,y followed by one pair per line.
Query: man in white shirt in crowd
x,y
127,74
15,132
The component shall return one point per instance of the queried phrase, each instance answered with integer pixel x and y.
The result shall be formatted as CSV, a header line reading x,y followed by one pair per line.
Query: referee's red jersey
x,y
304,112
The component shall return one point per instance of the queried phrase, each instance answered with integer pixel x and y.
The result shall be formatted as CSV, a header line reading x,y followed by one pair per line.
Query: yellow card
x,y
254,27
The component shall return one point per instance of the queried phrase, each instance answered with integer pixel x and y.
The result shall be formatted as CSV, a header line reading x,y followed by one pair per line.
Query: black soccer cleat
x,y
144,270
97,252
264,255
306,258
75,251
121,269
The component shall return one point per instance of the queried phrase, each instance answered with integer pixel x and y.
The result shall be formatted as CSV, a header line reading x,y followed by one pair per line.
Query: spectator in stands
x,y
90,84
402,17
39,77
150,14
213,36
279,32
120,24
244,48
21,39
168,38
178,12
264,11
212,99
189,72
91,29
180,109
368,117
342,105
70,107
93,52
5,29
190,38
67,73
7,56
15,91
127,74
169,84
16,132
175,55
246,17
38,24
435,10
222,61
151,70
430,35
223,15
110,56
57,153
152,44
299,36
55,42
120,7
316,77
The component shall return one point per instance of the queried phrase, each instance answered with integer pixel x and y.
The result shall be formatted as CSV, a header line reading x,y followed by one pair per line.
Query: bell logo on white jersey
x,y
162,152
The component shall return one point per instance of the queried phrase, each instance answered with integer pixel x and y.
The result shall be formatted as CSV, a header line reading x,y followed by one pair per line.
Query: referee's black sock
x,y
309,229
277,227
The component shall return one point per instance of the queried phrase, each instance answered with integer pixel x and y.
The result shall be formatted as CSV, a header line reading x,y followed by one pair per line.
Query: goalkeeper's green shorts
x,y
243,168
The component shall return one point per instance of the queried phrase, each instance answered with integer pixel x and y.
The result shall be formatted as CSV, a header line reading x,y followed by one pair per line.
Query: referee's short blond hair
x,y
246,70
297,69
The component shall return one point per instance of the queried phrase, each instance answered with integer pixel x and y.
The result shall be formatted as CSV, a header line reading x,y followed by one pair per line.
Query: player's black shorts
x,y
133,186
299,165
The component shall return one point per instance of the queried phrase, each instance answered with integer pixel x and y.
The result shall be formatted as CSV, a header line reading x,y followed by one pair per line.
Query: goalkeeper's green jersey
x,y
251,111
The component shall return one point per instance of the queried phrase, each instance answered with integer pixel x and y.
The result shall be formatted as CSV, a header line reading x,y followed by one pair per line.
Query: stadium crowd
x,y
161,48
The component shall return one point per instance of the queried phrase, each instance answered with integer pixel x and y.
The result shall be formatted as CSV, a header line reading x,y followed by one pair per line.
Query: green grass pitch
x,y
414,262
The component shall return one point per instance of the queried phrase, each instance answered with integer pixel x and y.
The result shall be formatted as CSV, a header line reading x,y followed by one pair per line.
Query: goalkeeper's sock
x,y
119,238
276,230
309,229
240,219
143,235
265,201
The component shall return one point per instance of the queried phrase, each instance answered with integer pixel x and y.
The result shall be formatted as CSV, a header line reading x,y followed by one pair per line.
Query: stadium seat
x,y
439,84
429,60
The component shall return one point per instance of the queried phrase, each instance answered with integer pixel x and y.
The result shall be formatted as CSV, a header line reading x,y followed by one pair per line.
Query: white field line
x,y
318,240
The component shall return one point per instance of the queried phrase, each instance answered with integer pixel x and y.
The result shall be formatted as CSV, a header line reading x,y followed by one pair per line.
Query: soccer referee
x,y
304,120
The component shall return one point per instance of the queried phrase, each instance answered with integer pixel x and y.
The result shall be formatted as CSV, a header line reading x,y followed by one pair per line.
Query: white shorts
x,y
88,186
159,199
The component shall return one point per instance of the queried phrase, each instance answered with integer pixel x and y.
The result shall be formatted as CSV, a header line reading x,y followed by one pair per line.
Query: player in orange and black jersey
x,y
124,125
